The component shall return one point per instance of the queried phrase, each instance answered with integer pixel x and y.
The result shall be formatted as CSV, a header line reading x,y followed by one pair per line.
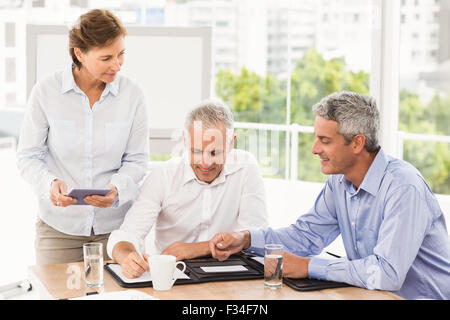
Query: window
x,y
38,3
338,58
10,34
10,69
272,61
424,113
79,3
222,23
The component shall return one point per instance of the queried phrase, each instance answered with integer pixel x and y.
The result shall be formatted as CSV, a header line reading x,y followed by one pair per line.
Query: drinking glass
x,y
273,266
93,264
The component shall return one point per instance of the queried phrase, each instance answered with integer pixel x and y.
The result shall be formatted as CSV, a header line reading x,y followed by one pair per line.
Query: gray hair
x,y
354,113
210,113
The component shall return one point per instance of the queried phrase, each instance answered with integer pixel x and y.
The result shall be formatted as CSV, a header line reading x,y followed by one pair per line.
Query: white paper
x,y
224,269
119,295
145,277
259,259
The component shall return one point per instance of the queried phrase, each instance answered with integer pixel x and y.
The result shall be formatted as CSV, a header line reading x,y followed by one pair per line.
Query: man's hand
x,y
133,265
183,250
295,266
103,201
224,244
58,194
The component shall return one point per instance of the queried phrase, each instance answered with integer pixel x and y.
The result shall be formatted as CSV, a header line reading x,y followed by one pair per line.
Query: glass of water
x,y
273,266
93,264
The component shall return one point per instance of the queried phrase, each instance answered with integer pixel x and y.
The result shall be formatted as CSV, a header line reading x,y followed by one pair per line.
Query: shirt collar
x,y
112,87
68,83
232,165
67,80
188,173
373,177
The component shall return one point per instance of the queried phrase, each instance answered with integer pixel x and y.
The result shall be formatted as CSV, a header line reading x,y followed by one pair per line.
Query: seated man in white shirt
x,y
212,188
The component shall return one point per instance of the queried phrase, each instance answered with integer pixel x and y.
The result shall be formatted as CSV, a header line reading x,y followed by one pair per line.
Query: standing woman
x,y
85,126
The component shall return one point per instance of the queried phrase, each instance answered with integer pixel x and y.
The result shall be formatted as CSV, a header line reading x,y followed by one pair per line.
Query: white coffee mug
x,y
162,270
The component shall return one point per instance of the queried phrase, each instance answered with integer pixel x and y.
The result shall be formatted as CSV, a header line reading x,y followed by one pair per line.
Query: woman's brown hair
x,y
96,28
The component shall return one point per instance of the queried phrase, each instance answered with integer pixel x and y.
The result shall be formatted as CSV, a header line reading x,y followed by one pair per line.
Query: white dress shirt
x,y
183,208
62,137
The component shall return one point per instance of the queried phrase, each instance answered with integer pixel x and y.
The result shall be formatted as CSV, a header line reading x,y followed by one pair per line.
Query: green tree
x,y
431,158
438,114
412,115
314,78
254,98
251,97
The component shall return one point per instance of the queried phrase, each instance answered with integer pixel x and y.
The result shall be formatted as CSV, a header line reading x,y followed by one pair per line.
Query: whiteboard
x,y
171,64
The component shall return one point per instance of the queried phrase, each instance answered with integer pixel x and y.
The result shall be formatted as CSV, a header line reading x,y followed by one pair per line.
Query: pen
x,y
332,254
87,271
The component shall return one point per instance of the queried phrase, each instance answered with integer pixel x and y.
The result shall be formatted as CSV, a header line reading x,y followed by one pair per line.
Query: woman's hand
x,y
58,195
103,201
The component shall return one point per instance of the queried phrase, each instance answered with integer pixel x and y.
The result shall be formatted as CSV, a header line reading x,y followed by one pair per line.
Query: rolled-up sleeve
x,y
122,236
142,216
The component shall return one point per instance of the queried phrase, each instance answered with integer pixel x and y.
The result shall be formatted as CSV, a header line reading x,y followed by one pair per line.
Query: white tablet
x,y
81,193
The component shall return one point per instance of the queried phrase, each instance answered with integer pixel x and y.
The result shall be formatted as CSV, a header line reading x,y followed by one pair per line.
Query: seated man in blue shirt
x,y
393,229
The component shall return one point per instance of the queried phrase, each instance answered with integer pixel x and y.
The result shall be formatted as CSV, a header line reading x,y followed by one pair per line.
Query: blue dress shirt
x,y
393,230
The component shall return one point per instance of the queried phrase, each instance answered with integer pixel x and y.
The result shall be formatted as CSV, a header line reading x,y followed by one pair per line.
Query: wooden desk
x,y
60,281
